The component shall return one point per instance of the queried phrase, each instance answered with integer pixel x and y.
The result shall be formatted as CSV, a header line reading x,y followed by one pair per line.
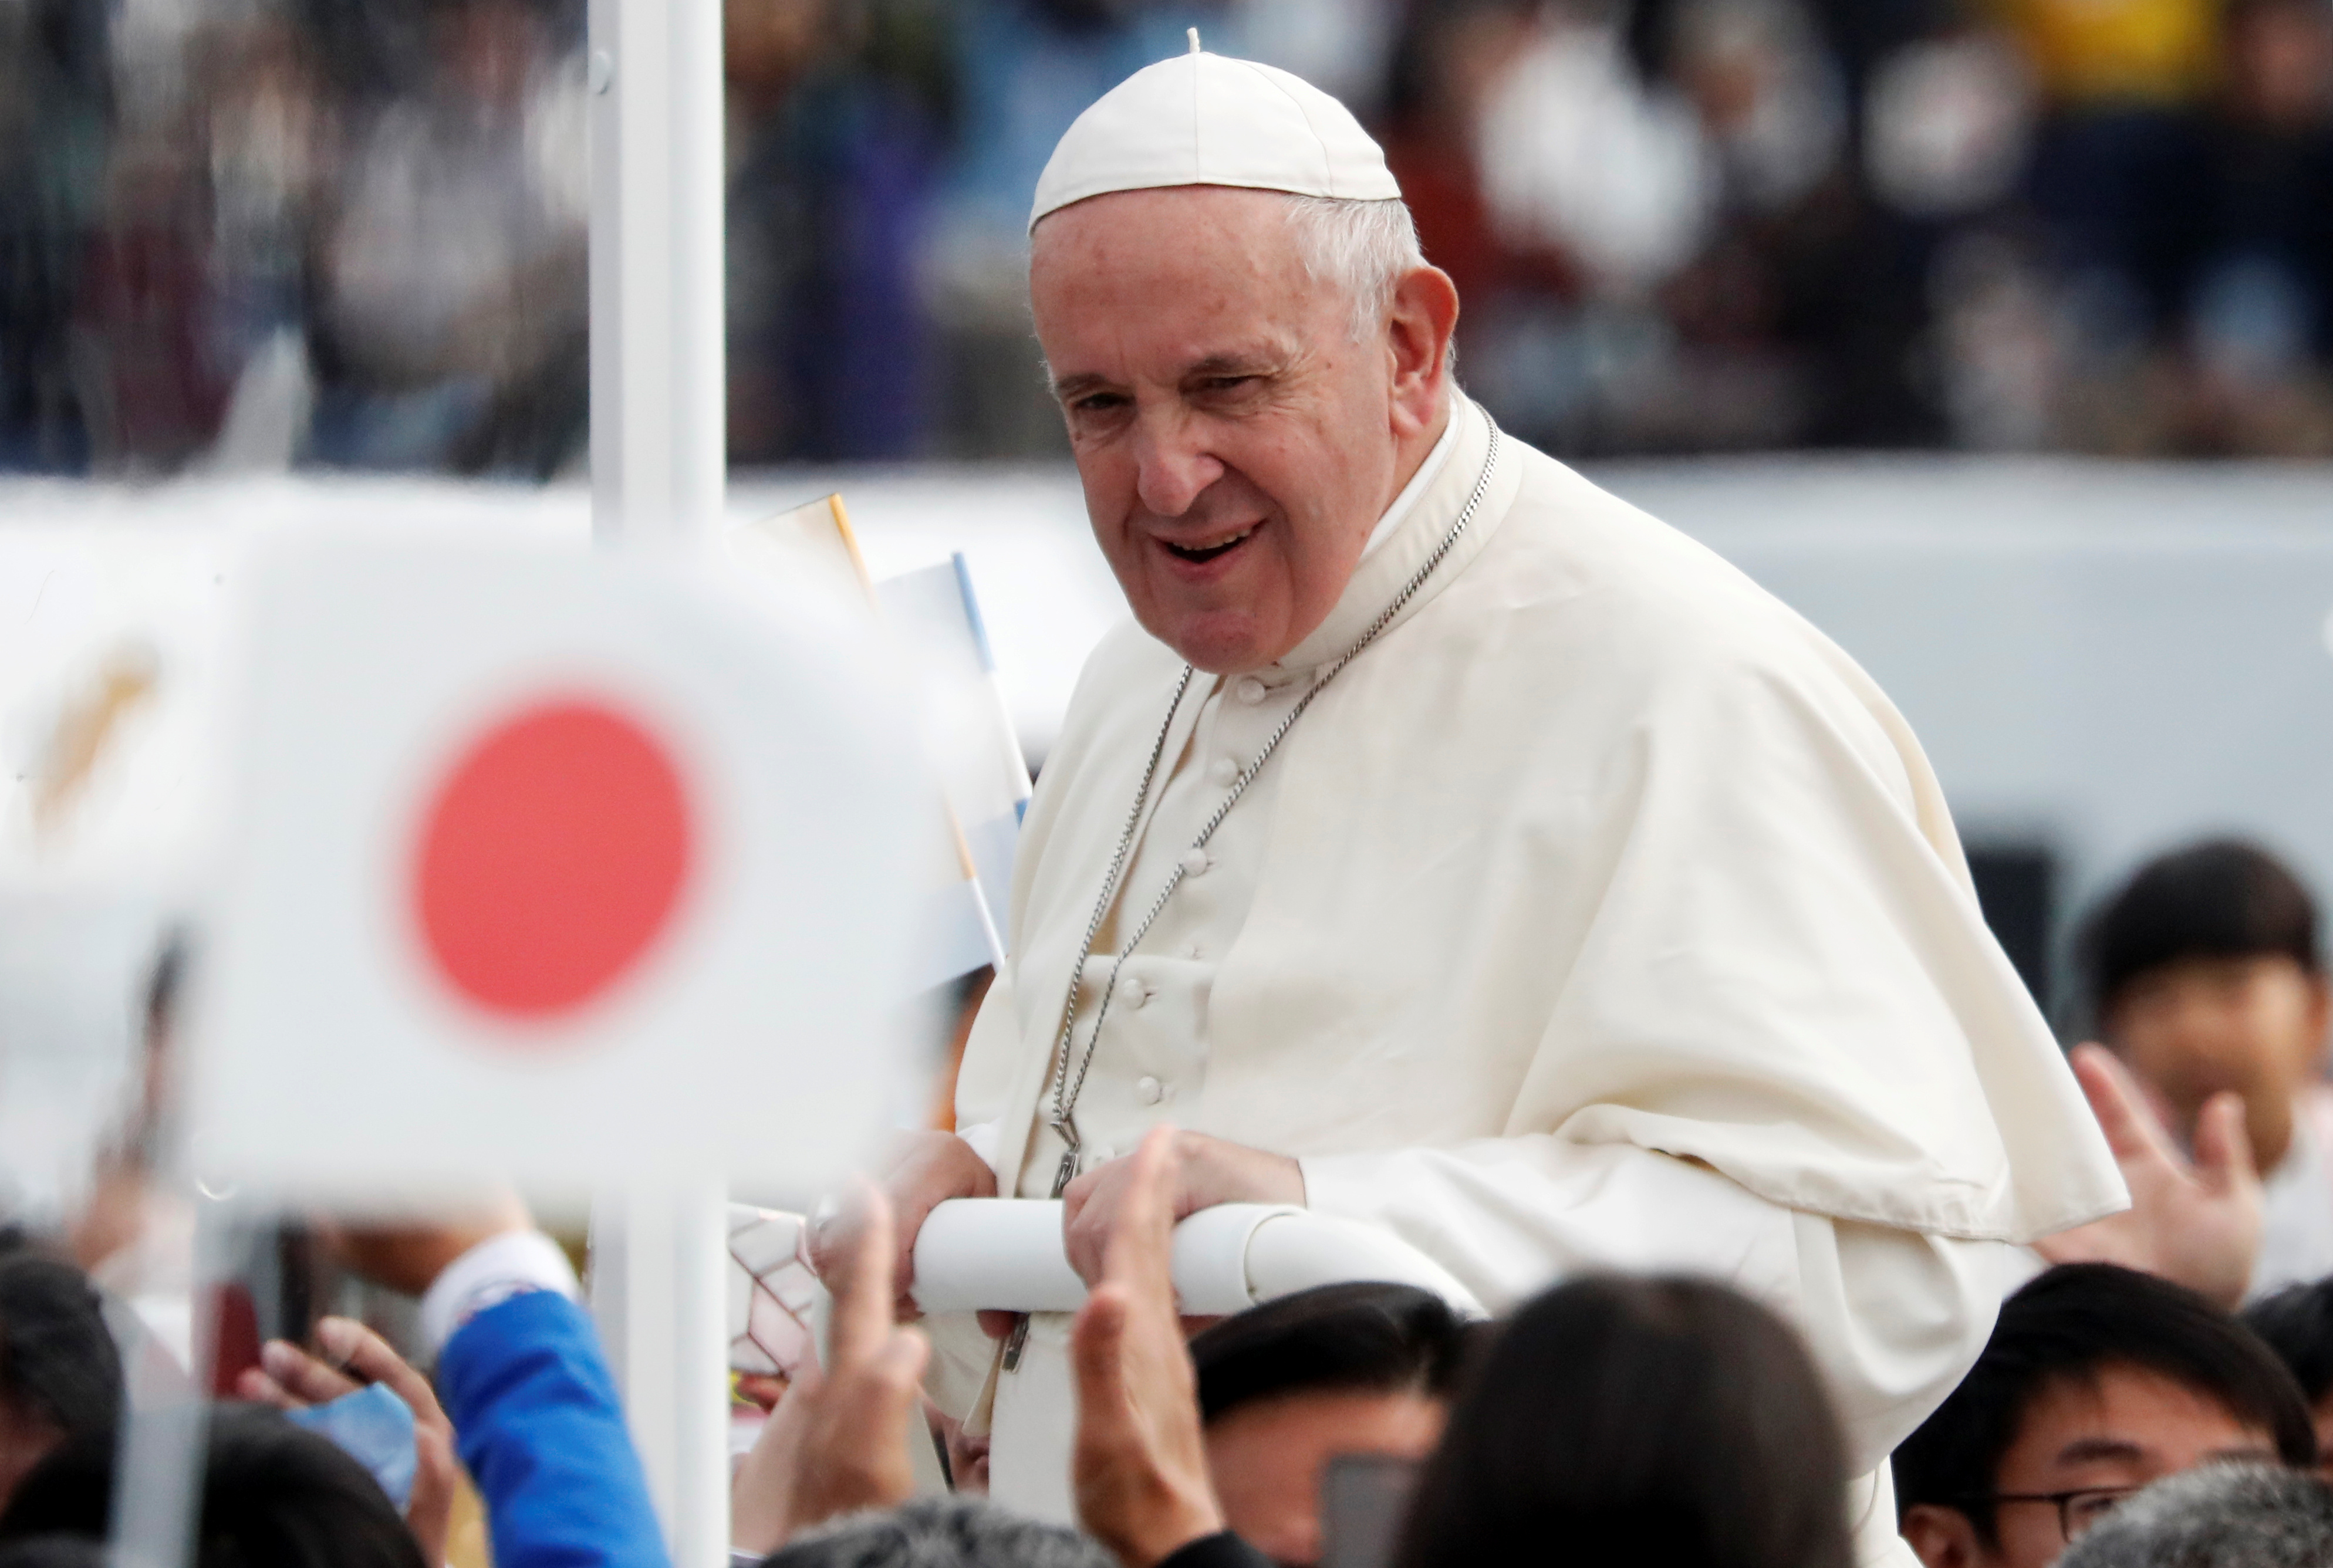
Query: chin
x,y
1215,641
1219,658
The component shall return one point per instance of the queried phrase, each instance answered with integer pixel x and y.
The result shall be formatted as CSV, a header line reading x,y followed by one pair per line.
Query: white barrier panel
x,y
1005,1255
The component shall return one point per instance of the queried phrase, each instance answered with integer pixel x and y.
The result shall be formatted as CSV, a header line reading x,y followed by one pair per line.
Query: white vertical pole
x,y
700,1357
163,1452
658,476
658,361
659,1278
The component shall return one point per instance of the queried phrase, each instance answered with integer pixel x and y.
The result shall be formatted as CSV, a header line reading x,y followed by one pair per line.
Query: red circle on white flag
x,y
551,857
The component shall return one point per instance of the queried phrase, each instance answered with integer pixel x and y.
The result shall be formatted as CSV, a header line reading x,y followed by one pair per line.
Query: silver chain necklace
x,y
1068,1086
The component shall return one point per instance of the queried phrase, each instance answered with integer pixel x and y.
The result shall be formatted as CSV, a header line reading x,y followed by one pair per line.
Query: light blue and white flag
x,y
934,617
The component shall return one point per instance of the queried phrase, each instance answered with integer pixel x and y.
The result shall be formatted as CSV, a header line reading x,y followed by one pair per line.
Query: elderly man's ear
x,y
1423,316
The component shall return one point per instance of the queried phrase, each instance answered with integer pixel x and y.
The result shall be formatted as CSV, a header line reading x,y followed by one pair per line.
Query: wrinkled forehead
x,y
1210,268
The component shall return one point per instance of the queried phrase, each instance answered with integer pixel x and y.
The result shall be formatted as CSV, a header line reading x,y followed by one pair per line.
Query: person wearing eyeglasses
x,y
2097,1382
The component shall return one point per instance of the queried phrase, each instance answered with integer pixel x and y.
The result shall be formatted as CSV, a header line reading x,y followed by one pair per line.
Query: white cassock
x,y
1601,915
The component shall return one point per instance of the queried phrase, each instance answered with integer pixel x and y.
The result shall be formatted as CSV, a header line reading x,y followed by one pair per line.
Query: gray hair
x,y
2216,1516
1363,247
951,1532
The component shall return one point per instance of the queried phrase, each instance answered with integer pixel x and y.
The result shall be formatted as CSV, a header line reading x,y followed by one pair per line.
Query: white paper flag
x,y
932,628
556,865
967,728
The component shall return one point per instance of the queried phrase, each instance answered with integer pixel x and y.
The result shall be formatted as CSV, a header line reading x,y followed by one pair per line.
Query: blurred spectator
x,y
350,232
529,1402
448,306
2220,1516
2206,976
2260,297
2297,1322
838,117
2114,172
1654,1420
2097,1380
1517,291
55,136
2195,1215
1338,1370
60,1376
273,134
940,1532
271,1493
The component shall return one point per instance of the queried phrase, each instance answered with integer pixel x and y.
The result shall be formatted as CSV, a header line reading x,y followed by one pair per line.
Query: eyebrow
x,y
1259,361
1069,386
2090,1451
1248,362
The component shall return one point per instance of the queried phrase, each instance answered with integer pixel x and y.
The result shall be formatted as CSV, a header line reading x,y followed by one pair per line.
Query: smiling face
x,y
1236,445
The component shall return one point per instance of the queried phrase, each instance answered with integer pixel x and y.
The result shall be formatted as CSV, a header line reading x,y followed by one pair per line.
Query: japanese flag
x,y
564,867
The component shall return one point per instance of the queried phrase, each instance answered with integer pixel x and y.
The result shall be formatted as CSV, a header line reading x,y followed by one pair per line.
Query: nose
x,y
1173,467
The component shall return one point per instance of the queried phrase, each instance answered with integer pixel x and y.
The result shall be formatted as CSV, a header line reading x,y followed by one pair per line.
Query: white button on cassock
x,y
1249,689
1195,862
1149,1091
1224,770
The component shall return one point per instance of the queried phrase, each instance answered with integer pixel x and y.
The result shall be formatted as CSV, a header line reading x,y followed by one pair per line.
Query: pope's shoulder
x,y
1574,581
1572,562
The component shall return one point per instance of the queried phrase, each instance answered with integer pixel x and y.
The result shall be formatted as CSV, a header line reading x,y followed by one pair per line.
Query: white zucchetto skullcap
x,y
1202,119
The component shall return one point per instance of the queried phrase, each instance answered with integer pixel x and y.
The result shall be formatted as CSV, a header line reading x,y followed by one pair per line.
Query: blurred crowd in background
x,y
240,235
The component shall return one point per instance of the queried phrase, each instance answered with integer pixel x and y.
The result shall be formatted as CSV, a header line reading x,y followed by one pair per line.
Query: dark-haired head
x,y
2131,1376
2206,976
2297,1322
2220,899
1652,1421
1356,1338
272,1493
1285,1387
60,1375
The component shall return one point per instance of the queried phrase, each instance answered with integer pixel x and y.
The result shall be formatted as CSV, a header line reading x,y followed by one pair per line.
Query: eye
x,y
1098,402
1229,383
2085,1509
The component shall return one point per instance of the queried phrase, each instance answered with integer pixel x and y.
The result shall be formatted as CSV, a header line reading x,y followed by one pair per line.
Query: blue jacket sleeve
x,y
537,1420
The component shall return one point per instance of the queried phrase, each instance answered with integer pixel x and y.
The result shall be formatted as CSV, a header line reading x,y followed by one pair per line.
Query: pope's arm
x,y
1894,1317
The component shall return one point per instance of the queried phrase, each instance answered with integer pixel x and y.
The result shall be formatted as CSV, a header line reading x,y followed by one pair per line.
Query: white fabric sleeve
x,y
491,1272
1893,1317
981,1136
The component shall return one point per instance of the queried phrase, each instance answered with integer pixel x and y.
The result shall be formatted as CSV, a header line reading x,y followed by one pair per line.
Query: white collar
x,y
1426,471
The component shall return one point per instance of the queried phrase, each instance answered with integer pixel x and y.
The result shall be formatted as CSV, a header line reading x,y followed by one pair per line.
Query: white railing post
x,y
659,466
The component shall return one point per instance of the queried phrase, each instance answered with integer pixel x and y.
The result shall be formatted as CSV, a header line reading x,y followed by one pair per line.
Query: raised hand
x,y
2196,1223
926,1169
1139,1466
837,1441
291,1379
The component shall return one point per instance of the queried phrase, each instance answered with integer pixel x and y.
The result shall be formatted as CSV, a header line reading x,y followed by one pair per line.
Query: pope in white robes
x,y
1577,905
